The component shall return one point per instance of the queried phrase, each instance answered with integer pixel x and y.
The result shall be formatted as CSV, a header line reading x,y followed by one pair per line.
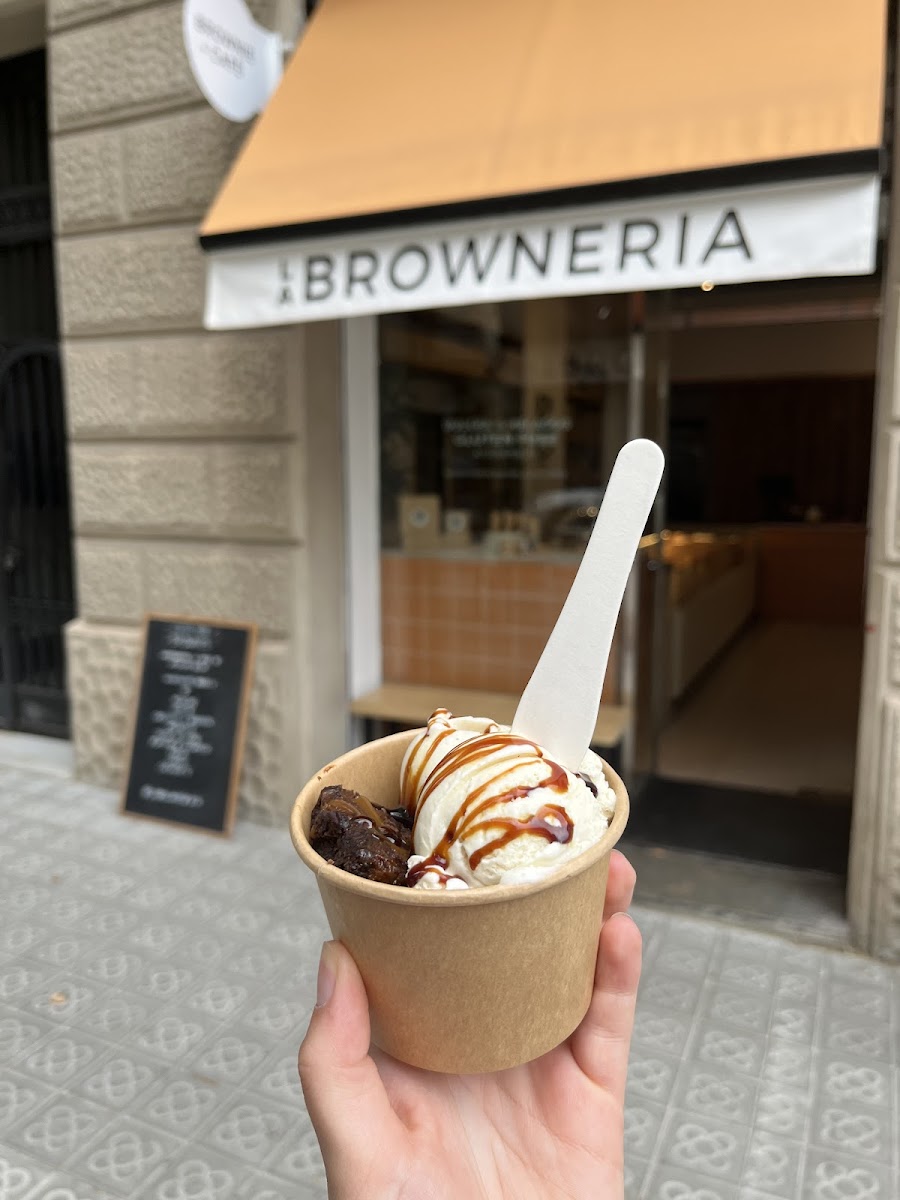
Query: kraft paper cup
x,y
462,981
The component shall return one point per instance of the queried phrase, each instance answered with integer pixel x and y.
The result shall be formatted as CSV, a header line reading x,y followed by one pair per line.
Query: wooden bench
x,y
409,706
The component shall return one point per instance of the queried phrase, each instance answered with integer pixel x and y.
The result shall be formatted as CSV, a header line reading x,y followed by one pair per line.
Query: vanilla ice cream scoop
x,y
489,807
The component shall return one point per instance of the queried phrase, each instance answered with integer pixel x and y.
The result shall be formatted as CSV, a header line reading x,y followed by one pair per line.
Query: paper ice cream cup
x,y
462,981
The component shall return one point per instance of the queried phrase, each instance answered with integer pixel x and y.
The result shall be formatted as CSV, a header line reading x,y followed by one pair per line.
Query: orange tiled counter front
x,y
472,623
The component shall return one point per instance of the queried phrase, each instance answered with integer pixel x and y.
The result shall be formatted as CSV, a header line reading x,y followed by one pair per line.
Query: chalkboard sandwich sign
x,y
190,719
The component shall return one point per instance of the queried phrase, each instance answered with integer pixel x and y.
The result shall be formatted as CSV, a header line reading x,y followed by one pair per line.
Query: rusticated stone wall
x,y
874,885
188,450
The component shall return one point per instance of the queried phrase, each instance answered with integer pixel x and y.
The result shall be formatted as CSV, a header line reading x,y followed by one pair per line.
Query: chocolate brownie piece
x,y
352,833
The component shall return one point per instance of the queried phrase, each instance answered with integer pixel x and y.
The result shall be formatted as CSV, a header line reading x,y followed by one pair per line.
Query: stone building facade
x,y
205,467
192,455
874,886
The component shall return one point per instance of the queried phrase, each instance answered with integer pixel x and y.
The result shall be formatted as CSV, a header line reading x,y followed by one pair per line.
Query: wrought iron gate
x,y
36,593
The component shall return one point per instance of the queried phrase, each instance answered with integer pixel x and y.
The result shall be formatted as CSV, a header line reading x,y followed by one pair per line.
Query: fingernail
x,y
327,975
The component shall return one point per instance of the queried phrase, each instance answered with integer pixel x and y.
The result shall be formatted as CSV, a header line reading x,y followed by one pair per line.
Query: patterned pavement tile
x,y
794,1020
56,1131
783,1110
728,1048
853,1034
20,936
743,1009
21,981
262,1186
63,1186
277,1077
62,1056
861,1131
668,1182
794,983
671,992
199,909
829,1176
642,1126
230,1055
158,937
111,965
115,1016
844,1077
772,1164
661,1031
251,1127
19,1096
704,1145
120,1078
713,1092
66,912
787,1063
181,1102
651,1076
66,950
219,998
124,1154
255,962
298,1160
62,996
196,1173
20,1033
277,1017
753,1194
20,1175
635,1173
165,980
173,1034
110,922
747,974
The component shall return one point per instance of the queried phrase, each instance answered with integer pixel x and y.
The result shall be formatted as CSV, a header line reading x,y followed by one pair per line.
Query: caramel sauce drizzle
x,y
551,821
409,784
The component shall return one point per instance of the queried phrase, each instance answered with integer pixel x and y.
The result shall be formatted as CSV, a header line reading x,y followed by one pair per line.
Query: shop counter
x,y
411,706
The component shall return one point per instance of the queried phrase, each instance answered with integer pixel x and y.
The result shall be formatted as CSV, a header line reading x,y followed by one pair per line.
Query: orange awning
x,y
430,108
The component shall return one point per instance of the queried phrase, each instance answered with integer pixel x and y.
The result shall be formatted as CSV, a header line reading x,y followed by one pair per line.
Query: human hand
x,y
549,1130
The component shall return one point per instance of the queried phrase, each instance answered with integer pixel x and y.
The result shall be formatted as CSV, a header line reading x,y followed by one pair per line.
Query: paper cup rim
x,y
326,872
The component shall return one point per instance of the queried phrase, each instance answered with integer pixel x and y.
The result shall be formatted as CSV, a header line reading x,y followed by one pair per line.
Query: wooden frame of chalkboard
x,y
206,679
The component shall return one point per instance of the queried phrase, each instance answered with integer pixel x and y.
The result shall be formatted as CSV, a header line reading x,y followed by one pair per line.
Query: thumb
x,y
345,1096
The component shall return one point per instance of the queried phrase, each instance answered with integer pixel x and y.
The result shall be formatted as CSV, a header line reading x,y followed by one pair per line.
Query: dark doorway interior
x,y
36,592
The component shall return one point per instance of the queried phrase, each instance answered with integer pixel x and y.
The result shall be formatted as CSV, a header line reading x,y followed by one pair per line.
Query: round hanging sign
x,y
236,62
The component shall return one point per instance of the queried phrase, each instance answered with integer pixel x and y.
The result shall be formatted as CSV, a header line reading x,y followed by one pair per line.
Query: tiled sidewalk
x,y
154,986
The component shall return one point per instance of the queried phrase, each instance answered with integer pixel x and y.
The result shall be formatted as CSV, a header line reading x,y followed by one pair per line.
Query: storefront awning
x,y
421,154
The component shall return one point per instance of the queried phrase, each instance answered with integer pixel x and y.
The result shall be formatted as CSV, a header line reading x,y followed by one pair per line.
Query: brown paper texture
x,y
462,981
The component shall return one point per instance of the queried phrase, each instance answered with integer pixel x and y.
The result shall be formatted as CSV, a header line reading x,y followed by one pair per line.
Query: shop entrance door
x,y
36,593
751,607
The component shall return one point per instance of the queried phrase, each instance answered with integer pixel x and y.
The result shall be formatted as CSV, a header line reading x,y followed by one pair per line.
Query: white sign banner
x,y
773,231
236,62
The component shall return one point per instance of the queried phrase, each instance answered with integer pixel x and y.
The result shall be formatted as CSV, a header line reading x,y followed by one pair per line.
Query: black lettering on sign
x,y
471,252
580,247
362,266
286,275
189,722
319,277
638,237
409,268
539,260
682,238
728,236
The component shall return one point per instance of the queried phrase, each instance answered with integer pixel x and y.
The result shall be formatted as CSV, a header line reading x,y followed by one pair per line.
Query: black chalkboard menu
x,y
189,722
